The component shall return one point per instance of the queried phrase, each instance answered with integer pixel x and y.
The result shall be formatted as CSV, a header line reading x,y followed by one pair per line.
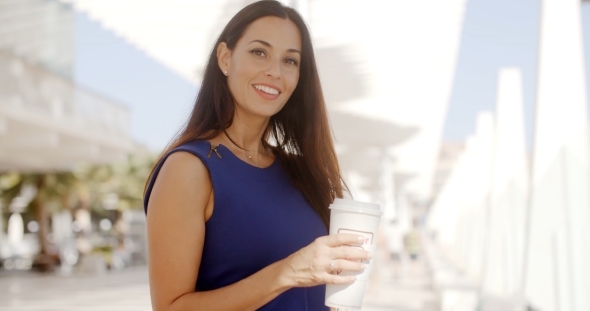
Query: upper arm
x,y
176,227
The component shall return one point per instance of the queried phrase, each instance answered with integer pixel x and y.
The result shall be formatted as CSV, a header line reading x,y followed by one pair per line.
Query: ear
x,y
223,57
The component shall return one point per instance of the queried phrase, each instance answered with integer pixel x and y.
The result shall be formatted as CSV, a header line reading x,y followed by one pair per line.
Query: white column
x,y
557,274
16,230
392,218
387,186
459,213
447,212
479,184
508,189
62,226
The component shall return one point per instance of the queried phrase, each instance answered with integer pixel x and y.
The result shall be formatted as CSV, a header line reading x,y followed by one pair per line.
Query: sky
x,y
496,33
159,100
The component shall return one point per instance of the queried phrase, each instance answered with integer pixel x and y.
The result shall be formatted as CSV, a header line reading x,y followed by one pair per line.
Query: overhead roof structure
x,y
390,61
404,53
46,122
176,33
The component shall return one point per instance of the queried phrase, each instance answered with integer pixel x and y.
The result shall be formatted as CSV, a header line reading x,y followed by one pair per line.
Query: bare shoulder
x,y
185,164
183,181
176,227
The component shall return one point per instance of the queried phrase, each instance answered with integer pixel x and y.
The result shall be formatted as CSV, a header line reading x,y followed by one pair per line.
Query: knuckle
x,y
322,240
357,251
335,239
343,238
317,264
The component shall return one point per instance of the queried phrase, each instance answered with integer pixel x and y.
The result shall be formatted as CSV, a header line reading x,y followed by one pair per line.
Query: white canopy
x,y
391,61
47,122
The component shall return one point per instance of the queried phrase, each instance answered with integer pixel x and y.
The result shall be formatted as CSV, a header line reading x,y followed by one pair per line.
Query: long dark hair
x,y
300,132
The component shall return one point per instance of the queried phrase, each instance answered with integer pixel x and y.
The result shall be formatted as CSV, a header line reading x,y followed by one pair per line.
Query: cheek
x,y
241,74
237,81
231,84
292,80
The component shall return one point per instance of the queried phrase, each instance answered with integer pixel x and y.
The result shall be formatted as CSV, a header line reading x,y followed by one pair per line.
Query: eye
x,y
258,52
292,61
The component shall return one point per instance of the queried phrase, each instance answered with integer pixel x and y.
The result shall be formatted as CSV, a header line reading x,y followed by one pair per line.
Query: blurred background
x,y
466,120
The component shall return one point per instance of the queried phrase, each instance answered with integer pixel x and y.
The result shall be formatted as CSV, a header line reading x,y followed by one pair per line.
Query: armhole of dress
x,y
161,163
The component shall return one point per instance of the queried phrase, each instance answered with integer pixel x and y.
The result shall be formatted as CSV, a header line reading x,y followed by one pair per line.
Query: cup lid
x,y
356,206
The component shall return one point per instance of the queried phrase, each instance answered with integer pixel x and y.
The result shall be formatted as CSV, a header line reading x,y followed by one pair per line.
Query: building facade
x,y
47,122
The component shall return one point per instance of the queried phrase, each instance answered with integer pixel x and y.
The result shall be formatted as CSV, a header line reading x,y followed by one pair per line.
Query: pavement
x,y
402,285
125,290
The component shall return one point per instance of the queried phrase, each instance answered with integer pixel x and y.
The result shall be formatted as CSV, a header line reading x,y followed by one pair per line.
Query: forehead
x,y
281,33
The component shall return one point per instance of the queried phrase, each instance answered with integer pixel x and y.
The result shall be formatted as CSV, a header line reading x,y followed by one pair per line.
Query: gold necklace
x,y
245,151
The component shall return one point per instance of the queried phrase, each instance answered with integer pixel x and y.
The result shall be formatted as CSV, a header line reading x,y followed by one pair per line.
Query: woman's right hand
x,y
319,262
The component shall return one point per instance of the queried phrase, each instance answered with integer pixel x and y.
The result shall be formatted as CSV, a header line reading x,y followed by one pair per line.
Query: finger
x,y
342,239
351,252
339,279
347,265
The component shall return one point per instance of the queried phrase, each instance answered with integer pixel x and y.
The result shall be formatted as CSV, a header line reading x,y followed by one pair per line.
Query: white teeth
x,y
266,89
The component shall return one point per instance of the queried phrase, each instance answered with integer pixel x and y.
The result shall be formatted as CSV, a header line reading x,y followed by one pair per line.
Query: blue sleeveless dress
x,y
258,218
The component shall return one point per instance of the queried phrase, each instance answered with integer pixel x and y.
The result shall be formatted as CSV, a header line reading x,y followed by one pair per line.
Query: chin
x,y
268,111
268,114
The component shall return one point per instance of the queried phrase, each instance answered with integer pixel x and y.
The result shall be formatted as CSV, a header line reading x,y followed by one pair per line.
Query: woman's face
x,y
263,67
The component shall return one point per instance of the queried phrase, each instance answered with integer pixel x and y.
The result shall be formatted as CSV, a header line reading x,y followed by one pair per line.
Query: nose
x,y
274,69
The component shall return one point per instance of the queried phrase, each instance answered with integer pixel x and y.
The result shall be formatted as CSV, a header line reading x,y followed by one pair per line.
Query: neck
x,y
247,135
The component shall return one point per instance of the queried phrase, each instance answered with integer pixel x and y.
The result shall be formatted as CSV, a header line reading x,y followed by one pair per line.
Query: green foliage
x,y
86,186
123,180
10,186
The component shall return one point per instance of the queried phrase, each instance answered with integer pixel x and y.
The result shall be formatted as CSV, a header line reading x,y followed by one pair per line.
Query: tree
x,y
86,186
55,191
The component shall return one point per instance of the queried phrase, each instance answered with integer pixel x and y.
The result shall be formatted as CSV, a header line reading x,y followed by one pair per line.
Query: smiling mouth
x,y
266,89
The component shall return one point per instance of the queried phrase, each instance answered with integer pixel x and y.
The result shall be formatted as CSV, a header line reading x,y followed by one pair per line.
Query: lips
x,y
266,91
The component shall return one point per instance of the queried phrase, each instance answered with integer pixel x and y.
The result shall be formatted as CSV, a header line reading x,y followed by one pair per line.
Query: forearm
x,y
250,293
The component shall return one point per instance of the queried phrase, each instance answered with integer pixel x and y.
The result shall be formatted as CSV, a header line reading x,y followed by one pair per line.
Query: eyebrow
x,y
269,45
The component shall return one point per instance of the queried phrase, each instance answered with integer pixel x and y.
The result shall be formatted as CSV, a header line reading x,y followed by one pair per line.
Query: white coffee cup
x,y
355,217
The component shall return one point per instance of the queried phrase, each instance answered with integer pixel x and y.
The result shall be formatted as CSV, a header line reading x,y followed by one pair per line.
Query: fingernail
x,y
363,266
369,255
361,238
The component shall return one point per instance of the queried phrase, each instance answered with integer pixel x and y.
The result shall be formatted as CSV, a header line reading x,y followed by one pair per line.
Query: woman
x,y
237,206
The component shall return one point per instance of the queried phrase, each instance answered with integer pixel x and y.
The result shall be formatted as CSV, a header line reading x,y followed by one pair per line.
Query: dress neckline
x,y
239,159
